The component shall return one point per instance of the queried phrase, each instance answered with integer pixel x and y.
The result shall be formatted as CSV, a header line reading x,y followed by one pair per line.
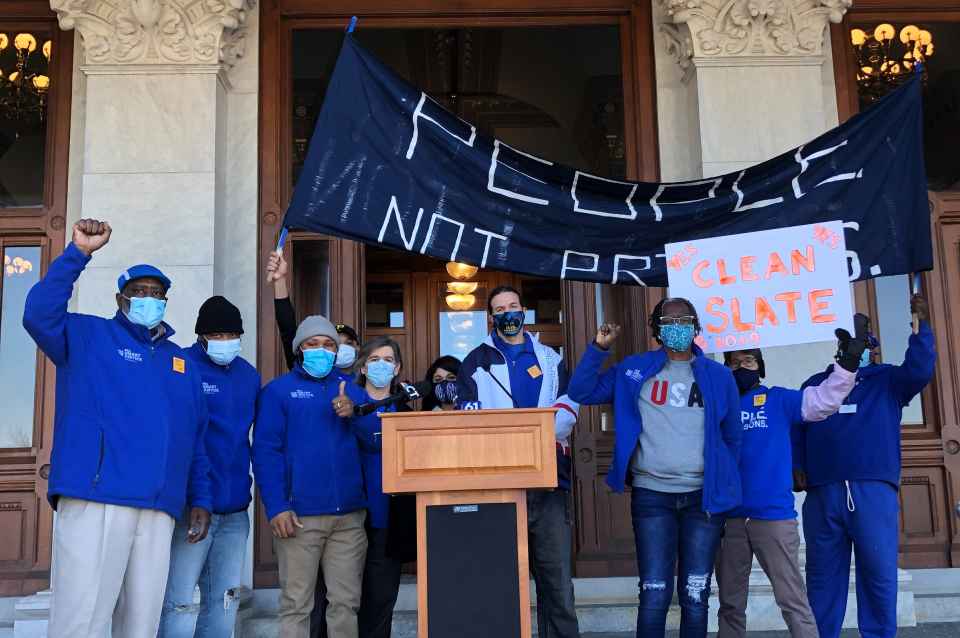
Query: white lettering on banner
x,y
853,260
805,163
429,235
576,202
394,211
492,174
418,113
565,267
486,246
758,204
711,193
617,270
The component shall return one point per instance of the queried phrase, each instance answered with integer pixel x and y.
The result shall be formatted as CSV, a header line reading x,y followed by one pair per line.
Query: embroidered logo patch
x,y
179,365
301,394
534,371
759,399
209,388
130,355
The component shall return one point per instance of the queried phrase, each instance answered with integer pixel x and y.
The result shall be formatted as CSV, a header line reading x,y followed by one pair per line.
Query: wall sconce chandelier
x,y
25,84
16,266
883,65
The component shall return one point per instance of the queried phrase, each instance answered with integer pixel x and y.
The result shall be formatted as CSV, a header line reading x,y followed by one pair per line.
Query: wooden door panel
x,y
924,530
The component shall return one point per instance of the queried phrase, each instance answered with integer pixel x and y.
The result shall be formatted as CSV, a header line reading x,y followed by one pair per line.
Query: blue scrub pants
x,y
862,515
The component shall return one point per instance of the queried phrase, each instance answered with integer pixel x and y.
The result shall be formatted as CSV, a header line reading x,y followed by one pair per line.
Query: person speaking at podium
x,y
512,369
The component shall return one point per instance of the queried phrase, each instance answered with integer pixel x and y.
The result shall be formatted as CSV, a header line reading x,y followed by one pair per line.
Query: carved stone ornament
x,y
157,31
748,28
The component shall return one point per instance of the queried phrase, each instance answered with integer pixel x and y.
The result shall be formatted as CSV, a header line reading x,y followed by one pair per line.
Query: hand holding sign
x,y
342,404
850,349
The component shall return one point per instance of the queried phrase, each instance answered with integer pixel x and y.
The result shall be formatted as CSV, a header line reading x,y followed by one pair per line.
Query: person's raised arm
x,y
913,375
588,386
45,311
283,310
824,399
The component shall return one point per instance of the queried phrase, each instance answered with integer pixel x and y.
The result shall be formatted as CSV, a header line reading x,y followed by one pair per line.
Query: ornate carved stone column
x,y
759,67
150,113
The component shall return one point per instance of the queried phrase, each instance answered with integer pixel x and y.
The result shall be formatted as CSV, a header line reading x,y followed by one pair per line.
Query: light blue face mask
x,y
380,373
318,362
865,358
677,337
146,311
223,351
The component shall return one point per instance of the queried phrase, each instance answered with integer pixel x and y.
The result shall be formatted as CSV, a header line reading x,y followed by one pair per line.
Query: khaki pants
x,y
339,544
110,564
777,547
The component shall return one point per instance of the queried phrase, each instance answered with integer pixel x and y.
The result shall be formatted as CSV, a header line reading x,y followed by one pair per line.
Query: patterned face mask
x,y
677,337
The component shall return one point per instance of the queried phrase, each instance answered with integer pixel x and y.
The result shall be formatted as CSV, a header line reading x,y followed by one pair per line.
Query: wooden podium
x,y
470,471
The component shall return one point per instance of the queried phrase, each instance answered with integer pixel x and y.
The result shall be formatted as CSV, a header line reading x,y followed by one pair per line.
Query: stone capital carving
x,y
163,32
747,28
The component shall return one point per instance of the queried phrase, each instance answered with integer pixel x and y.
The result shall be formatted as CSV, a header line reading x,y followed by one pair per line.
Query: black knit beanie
x,y
218,315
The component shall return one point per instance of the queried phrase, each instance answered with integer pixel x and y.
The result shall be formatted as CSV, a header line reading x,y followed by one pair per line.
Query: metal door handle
x,y
44,471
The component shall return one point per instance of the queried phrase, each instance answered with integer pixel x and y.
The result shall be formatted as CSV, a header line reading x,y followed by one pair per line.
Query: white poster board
x,y
769,288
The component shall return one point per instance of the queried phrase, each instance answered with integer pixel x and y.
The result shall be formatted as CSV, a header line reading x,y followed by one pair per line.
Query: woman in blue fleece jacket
x,y
678,437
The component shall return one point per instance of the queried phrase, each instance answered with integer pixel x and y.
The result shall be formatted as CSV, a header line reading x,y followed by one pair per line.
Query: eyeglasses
x,y
749,362
145,291
685,320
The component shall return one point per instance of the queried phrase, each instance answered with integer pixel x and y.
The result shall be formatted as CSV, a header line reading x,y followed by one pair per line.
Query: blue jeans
x,y
216,564
668,528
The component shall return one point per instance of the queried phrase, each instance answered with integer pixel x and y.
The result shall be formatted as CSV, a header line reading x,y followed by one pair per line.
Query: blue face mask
x,y
318,362
676,337
865,359
509,323
146,311
380,373
222,352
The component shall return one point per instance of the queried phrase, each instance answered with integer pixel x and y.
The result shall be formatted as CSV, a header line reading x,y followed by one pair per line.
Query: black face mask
x,y
445,391
746,379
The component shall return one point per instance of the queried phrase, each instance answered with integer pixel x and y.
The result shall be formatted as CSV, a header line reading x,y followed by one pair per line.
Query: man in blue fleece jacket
x,y
852,464
306,461
231,386
128,452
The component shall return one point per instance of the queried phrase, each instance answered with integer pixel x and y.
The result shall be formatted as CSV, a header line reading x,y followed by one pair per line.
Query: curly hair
x,y
657,315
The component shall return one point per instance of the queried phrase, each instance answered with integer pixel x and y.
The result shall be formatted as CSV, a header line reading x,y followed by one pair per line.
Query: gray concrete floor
x,y
934,630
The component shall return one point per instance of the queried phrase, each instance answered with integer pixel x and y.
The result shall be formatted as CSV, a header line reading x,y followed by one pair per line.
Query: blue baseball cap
x,y
139,272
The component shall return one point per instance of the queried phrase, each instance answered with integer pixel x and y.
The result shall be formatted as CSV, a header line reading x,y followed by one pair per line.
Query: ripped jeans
x,y
216,565
672,528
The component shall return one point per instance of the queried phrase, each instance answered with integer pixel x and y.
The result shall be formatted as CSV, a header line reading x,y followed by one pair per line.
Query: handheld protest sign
x,y
769,288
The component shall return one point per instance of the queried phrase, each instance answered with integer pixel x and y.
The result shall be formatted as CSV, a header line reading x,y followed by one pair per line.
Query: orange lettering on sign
x,y
719,314
798,259
817,307
775,265
764,312
790,299
725,279
738,325
746,269
698,279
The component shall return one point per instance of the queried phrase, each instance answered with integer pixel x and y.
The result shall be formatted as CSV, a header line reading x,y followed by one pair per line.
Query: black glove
x,y
850,349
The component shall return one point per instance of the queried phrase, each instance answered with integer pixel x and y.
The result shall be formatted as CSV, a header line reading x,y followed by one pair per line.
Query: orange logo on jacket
x,y
179,365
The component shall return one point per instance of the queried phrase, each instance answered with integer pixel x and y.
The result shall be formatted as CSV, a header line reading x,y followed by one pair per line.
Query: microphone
x,y
408,392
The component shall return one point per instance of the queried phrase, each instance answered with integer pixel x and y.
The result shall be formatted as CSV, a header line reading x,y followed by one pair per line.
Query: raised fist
x,y
90,235
276,267
606,335
850,349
